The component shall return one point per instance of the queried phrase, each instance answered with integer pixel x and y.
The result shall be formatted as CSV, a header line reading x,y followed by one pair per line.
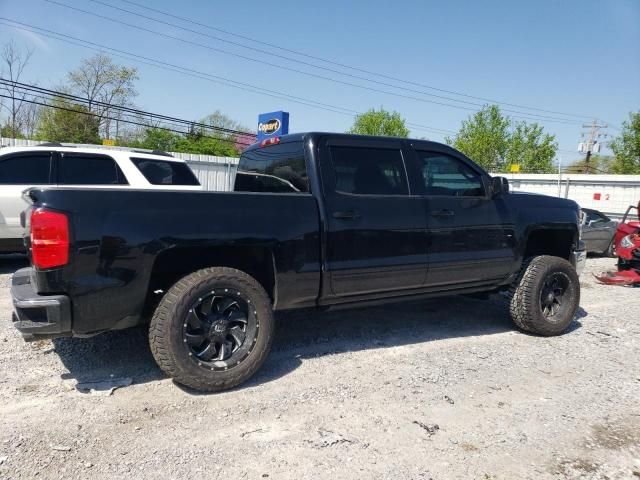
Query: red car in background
x,y
627,249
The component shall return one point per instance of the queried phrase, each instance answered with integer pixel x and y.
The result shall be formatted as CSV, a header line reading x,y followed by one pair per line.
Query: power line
x,y
592,142
128,121
517,114
306,55
191,72
46,91
257,60
169,66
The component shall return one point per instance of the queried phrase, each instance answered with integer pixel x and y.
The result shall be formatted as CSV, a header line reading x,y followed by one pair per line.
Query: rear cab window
x,y
165,172
277,168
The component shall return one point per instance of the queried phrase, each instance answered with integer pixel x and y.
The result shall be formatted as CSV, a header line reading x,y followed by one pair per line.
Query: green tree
x,y
207,145
484,138
381,123
192,142
531,148
67,122
156,139
626,147
492,140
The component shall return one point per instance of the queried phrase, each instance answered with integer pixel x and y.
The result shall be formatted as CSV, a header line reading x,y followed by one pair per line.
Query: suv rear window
x,y
274,169
165,172
78,169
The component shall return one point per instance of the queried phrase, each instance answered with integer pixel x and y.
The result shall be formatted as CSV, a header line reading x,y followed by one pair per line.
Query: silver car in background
x,y
598,231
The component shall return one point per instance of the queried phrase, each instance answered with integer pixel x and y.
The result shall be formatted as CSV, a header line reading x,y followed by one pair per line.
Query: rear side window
x,y
274,169
445,175
165,172
89,170
31,169
369,171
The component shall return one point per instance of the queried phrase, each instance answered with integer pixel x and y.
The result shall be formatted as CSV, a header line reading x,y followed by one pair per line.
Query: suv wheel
x,y
213,329
546,296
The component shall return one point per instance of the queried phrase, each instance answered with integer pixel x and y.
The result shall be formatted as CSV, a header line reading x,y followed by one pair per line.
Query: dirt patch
x,y
617,436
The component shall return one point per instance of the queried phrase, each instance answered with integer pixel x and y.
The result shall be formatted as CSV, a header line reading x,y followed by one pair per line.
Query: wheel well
x,y
173,264
550,242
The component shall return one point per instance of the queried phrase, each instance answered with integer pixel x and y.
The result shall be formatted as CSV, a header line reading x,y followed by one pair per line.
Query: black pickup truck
x,y
316,220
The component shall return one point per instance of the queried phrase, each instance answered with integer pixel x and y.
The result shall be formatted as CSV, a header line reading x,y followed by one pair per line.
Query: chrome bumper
x,y
579,258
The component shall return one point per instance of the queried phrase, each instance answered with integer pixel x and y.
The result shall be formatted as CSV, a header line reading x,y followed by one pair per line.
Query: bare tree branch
x,y
14,60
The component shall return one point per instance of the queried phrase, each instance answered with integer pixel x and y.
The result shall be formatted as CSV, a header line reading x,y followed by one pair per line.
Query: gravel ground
x,y
439,389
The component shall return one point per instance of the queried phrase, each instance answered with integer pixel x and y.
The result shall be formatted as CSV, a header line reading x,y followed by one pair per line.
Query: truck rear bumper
x,y
38,316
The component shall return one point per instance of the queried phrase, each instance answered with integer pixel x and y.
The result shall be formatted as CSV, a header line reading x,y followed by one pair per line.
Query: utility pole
x,y
591,145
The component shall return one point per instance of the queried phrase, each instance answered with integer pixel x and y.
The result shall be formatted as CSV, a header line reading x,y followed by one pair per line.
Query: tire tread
x,y
176,300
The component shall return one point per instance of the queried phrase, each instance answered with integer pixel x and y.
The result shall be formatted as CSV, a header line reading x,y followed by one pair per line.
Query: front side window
x,y
80,169
445,175
369,171
30,169
274,169
165,172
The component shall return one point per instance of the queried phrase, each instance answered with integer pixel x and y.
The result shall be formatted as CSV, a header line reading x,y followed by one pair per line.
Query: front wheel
x,y
213,329
546,296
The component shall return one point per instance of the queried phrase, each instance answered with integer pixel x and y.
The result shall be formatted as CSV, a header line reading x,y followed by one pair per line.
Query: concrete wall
x,y
214,173
611,194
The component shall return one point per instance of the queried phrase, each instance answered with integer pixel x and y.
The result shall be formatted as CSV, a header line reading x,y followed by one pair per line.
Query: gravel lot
x,y
439,389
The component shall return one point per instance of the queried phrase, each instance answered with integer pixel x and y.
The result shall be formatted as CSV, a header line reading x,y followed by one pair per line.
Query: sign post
x,y
272,124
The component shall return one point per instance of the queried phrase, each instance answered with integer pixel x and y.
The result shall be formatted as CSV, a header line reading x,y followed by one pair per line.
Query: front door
x,y
375,238
470,234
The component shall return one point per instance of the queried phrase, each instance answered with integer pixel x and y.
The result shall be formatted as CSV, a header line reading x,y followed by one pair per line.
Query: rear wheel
x,y
546,296
213,329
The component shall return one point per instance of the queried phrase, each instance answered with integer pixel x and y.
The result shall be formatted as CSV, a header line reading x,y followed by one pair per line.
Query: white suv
x,y
82,167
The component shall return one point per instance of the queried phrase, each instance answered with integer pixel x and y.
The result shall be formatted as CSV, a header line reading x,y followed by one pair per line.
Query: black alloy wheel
x,y
213,329
220,329
546,295
551,294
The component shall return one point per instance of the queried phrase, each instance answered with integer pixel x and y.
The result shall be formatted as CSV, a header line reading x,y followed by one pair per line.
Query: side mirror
x,y
499,185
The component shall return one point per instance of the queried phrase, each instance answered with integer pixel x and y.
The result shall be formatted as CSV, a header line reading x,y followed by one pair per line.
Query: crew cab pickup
x,y
317,220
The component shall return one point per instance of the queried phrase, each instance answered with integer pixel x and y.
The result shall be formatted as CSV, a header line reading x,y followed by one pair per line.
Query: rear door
x,y
375,240
470,234
18,172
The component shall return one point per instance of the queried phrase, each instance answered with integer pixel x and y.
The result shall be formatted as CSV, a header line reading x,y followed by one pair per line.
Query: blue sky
x,y
579,57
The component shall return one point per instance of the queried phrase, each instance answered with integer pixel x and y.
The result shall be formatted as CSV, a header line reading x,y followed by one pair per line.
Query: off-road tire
x,y
525,305
166,334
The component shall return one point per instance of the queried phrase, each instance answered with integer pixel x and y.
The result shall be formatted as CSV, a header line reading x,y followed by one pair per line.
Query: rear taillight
x,y
49,238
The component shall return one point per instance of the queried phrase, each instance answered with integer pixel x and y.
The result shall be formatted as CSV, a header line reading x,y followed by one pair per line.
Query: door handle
x,y
442,213
346,215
